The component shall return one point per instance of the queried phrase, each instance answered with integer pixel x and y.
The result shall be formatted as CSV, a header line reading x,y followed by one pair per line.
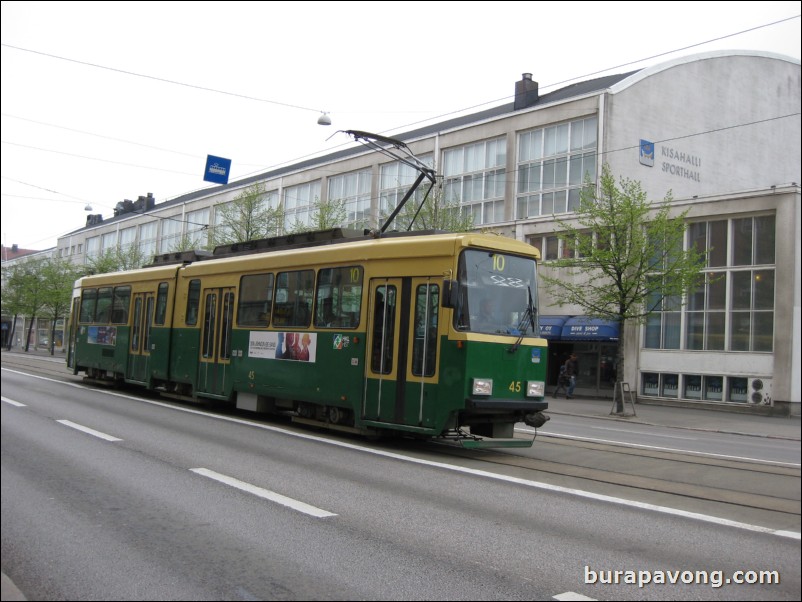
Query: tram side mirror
x,y
450,293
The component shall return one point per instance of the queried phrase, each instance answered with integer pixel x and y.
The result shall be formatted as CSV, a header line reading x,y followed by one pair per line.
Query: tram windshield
x,y
497,294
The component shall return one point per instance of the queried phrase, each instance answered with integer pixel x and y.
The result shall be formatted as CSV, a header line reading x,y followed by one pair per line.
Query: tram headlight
x,y
535,388
482,386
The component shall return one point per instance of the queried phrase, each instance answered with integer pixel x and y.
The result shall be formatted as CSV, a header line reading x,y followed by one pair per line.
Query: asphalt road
x,y
109,496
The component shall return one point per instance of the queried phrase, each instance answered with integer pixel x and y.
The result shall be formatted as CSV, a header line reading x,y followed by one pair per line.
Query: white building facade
x,y
721,131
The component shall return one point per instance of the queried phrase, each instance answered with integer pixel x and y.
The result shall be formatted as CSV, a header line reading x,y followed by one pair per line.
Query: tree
x,y
436,213
12,299
625,258
25,287
247,217
59,276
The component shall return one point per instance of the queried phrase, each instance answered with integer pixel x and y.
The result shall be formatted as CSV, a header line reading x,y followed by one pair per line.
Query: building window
x,y
475,178
92,248
395,179
553,163
552,247
172,231
697,387
127,239
108,242
147,239
299,204
197,228
353,191
732,309
663,324
556,247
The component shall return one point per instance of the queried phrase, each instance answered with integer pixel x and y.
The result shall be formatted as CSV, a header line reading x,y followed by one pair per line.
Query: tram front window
x,y
498,294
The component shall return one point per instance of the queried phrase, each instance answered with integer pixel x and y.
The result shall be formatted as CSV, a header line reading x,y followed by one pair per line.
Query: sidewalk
x,y
702,419
690,417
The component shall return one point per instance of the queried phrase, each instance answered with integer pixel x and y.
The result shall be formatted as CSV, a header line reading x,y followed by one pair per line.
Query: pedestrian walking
x,y
571,370
562,381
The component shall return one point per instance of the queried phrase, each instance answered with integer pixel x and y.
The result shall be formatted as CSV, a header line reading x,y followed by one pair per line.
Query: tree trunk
x,y
52,346
30,331
618,392
10,340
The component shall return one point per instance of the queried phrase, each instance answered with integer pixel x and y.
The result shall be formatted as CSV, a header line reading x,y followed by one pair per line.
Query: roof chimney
x,y
525,92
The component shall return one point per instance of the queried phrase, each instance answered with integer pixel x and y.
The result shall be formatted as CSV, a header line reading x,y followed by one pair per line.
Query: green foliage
x,y
39,287
185,243
627,251
117,260
325,215
13,298
247,217
59,276
626,255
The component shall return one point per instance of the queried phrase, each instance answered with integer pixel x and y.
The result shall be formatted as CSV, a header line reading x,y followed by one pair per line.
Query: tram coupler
x,y
536,419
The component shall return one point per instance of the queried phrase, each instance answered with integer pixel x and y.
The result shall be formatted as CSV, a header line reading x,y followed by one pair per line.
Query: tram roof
x,y
393,246
140,275
411,246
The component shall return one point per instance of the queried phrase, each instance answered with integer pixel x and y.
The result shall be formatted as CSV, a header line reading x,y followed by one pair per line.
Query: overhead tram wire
x,y
441,116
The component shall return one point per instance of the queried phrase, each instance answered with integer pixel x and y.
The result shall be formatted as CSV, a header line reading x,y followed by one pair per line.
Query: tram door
x,y
73,337
402,349
382,364
139,346
424,352
214,372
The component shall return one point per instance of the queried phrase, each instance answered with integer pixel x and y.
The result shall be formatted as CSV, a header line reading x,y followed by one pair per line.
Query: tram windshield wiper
x,y
395,149
529,319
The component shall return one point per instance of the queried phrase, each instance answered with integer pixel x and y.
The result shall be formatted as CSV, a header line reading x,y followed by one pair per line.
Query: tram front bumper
x,y
493,405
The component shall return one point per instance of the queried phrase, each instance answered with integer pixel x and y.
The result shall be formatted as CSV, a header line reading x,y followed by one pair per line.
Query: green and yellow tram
x,y
375,334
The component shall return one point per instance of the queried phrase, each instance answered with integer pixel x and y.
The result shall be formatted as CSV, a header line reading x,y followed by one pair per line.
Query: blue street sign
x,y
217,169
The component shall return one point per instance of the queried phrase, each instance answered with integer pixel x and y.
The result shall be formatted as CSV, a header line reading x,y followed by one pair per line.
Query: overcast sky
x,y
106,101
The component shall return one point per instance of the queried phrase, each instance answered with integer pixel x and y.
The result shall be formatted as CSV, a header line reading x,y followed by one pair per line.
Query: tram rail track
x,y
736,489
732,488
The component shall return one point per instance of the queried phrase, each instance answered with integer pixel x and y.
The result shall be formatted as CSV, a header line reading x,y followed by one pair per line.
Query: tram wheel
x,y
305,410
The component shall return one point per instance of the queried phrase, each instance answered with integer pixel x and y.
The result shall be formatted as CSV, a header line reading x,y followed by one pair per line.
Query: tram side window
x,y
88,305
255,300
424,353
381,360
338,297
294,294
137,325
225,330
161,303
148,316
121,305
209,321
103,311
193,302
